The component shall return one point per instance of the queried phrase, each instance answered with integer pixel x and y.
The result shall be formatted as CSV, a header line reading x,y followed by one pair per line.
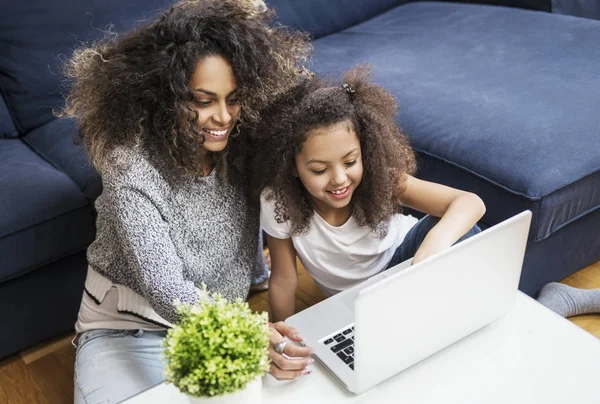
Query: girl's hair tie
x,y
348,89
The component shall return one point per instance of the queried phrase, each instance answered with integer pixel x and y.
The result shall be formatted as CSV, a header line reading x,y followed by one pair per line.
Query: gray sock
x,y
568,301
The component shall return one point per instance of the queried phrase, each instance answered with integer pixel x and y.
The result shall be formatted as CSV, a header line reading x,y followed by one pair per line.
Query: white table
x,y
530,356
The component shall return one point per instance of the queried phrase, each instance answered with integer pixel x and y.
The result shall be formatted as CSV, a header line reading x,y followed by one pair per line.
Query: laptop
x,y
375,330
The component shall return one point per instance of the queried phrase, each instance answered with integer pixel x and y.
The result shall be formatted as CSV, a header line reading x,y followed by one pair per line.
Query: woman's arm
x,y
284,278
458,211
282,293
149,251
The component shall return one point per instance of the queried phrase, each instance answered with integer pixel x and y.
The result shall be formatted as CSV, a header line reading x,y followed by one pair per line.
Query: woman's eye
x,y
203,103
233,101
350,163
318,172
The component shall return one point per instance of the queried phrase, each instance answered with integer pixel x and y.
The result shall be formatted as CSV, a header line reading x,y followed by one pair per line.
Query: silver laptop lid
x,y
415,313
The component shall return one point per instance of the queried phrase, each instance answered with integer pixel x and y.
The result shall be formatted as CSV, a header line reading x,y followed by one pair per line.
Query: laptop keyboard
x,y
342,344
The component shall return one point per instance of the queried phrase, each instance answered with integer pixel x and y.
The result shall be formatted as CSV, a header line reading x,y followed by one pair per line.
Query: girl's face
x,y
216,101
330,166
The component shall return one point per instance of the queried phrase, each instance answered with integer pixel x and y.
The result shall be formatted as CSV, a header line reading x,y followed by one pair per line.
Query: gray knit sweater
x,y
162,238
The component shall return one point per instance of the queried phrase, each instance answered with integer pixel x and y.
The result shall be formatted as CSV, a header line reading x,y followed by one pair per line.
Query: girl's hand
x,y
282,367
430,246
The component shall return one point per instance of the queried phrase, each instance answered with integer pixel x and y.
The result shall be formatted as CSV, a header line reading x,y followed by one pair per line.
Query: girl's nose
x,y
339,177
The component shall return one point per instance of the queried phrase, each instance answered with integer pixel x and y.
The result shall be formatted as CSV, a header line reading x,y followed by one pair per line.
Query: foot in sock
x,y
568,301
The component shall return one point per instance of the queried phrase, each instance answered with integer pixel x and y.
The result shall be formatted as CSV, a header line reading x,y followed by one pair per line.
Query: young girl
x,y
160,112
335,171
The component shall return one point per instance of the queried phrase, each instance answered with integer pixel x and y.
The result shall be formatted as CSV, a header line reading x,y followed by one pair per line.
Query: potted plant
x,y
218,351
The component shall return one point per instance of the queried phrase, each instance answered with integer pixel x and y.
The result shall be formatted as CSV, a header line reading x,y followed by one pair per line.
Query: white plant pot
x,y
252,394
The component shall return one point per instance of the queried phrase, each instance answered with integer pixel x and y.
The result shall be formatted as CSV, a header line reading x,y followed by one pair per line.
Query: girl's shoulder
x,y
271,220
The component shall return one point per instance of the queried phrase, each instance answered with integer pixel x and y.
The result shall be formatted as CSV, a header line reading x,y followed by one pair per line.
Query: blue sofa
x,y
47,186
498,100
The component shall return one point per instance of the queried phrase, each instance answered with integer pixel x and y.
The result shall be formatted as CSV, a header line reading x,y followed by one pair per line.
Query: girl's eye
x,y
203,103
350,163
318,172
233,101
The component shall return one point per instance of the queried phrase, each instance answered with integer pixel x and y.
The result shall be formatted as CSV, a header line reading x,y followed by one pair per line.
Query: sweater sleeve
x,y
150,253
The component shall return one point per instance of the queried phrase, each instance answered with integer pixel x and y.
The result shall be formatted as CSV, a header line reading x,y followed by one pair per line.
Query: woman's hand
x,y
282,367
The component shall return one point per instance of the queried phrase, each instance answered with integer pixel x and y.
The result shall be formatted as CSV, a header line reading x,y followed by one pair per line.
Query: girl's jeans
x,y
415,237
261,272
113,365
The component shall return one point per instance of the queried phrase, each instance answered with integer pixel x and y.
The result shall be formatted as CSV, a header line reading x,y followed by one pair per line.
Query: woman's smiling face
x,y
216,101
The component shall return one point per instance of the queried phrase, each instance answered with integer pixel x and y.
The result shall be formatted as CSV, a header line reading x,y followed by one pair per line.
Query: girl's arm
x,y
284,278
458,211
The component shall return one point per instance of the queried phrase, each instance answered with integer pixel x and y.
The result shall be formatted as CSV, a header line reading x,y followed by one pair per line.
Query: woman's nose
x,y
222,115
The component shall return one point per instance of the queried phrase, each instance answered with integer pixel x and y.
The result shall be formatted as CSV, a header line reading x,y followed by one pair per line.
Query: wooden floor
x,y
44,374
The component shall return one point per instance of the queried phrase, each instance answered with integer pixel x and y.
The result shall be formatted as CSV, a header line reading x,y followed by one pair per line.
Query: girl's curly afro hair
x,y
317,103
133,91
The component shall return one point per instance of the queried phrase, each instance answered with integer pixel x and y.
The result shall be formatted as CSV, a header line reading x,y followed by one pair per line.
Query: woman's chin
x,y
215,146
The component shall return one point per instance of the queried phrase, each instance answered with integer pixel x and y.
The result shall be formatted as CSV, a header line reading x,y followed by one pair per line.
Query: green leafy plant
x,y
217,347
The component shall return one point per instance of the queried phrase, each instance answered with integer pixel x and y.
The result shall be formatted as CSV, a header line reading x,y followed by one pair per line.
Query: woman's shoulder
x,y
131,168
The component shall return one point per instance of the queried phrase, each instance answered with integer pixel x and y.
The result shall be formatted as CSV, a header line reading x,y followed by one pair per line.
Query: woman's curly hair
x,y
316,103
133,91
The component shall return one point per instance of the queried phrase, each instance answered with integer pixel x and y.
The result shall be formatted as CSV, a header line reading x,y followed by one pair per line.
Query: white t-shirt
x,y
339,257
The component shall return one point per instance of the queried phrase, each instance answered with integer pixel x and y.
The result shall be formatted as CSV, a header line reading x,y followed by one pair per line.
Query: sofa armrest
x,y
54,142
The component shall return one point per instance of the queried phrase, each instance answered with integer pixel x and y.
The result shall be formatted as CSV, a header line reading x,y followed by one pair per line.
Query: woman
x,y
162,113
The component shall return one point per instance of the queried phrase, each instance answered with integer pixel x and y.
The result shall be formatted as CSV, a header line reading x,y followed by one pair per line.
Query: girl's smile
x,y
330,167
341,193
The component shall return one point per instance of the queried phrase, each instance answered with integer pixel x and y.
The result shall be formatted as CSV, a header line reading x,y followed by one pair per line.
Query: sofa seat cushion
x,y
43,215
54,142
506,98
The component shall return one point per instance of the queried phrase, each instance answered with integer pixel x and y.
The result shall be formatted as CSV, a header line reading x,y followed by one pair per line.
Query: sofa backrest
x,y
323,17
579,8
38,35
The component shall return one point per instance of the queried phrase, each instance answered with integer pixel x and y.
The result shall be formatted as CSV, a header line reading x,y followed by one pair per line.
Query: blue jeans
x,y
261,272
415,237
112,365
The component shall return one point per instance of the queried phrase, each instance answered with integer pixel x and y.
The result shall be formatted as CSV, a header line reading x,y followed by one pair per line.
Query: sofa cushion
x,y
323,17
7,126
43,215
506,98
37,36
54,142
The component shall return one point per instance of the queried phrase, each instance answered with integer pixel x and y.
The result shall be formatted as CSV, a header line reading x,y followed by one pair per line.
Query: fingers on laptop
x,y
297,352
287,331
294,360
283,368
281,374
